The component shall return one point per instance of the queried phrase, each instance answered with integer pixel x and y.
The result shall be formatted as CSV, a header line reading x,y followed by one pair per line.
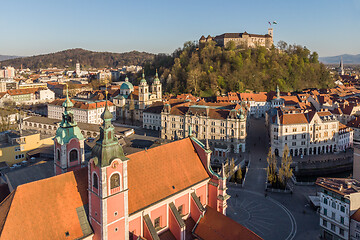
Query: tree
x,y
239,175
271,168
285,171
232,167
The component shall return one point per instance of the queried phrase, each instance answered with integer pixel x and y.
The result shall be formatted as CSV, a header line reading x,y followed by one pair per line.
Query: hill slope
x,y
210,69
347,59
86,58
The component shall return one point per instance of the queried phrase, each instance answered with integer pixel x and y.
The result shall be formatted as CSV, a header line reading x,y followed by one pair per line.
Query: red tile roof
x,y
214,226
13,92
356,215
159,172
45,209
83,104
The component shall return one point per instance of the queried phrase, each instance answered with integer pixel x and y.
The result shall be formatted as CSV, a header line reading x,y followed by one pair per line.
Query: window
x,y
333,204
95,181
324,223
342,220
333,227
181,210
157,223
325,201
341,232
115,181
58,155
17,149
325,211
342,208
294,137
332,215
73,155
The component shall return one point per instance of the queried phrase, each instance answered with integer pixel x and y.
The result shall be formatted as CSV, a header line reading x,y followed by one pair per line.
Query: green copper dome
x,y
126,85
143,80
156,80
68,128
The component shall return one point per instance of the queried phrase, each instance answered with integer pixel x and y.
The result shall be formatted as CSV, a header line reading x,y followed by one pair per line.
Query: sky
x,y
329,27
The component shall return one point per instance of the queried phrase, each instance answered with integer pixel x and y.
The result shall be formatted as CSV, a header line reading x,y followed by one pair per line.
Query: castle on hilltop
x,y
242,39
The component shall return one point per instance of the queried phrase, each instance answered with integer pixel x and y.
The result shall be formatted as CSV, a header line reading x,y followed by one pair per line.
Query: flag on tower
x,y
269,23
274,22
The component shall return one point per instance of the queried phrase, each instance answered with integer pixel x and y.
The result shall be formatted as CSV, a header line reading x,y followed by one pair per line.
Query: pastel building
x,y
167,192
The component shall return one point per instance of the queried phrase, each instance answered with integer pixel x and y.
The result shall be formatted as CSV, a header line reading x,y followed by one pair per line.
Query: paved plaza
x,y
273,216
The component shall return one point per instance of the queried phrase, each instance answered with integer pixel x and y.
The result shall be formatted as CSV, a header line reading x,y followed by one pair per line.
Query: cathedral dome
x,y
126,86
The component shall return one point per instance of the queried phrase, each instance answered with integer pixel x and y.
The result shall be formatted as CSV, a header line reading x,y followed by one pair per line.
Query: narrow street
x,y
257,147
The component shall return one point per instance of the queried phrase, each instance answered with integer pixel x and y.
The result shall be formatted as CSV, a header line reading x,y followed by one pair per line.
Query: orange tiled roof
x,y
257,97
159,172
13,92
45,209
214,226
295,118
356,215
82,104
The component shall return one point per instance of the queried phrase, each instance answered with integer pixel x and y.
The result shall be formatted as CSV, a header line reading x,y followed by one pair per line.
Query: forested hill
x,y
88,59
210,70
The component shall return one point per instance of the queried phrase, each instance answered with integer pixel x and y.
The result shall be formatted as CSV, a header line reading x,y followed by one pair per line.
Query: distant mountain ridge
x,y
347,59
87,59
6,57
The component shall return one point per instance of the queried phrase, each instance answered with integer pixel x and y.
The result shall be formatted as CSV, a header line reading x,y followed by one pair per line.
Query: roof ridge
x,y
3,221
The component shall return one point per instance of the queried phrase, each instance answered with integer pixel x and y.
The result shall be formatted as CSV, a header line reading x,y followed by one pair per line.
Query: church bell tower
x,y
108,185
68,142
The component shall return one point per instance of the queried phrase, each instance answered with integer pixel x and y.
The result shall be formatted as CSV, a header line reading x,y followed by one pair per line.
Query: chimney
x,y
341,188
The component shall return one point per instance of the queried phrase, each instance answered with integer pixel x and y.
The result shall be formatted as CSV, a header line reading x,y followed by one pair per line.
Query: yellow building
x,y
14,144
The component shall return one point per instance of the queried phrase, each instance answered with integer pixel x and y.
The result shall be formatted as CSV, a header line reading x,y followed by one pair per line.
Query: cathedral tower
x,y
156,87
68,142
143,92
108,185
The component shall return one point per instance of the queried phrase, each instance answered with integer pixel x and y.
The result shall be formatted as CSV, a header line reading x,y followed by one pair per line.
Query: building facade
x,y
307,133
339,200
225,129
84,111
242,39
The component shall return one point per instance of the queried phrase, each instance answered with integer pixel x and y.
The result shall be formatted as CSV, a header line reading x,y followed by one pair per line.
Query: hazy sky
x,y
330,27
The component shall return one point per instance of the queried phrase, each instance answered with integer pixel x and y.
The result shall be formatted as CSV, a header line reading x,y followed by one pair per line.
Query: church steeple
x,y
107,148
68,141
109,184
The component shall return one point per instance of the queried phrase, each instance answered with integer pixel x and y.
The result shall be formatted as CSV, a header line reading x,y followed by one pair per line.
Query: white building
x,y
223,126
152,116
45,95
339,200
307,133
85,111
258,103
355,225
7,72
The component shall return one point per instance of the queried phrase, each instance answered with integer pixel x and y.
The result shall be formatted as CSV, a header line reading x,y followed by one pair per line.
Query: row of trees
x,y
278,177
210,69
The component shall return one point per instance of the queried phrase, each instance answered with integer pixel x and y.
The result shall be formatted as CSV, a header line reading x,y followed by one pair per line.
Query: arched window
x,y
73,155
58,155
115,181
95,181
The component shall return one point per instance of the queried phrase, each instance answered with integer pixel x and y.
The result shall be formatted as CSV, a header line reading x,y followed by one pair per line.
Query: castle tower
x,y
68,142
143,92
270,32
156,87
108,185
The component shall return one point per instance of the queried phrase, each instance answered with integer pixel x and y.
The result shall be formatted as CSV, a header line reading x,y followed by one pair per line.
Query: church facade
x,y
132,101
